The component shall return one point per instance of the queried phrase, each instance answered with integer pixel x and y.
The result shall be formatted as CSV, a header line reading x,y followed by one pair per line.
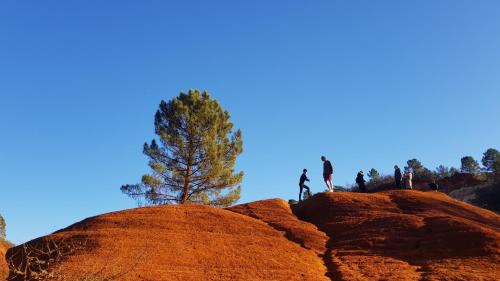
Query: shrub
x,y
489,197
384,182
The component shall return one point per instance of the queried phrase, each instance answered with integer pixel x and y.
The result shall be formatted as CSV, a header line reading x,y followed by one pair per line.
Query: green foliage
x,y
415,165
488,198
496,166
490,159
425,175
384,182
374,175
2,228
470,165
420,173
454,171
442,172
194,161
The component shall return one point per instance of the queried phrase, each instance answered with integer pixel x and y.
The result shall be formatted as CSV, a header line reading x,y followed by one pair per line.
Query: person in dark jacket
x,y
303,179
327,173
398,176
434,185
360,180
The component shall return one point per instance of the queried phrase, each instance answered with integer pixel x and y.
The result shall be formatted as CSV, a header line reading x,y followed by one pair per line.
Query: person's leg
x,y
331,183
300,193
308,190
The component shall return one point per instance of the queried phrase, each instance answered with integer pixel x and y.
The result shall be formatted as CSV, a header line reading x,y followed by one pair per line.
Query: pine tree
x,y
496,167
420,172
442,172
454,171
490,157
470,165
415,165
374,175
194,161
2,228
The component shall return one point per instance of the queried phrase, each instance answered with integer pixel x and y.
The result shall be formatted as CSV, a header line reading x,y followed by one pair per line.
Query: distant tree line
x,y
490,169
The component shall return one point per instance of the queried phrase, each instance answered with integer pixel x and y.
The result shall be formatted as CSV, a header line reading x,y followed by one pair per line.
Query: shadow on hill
x,y
393,235
405,232
277,214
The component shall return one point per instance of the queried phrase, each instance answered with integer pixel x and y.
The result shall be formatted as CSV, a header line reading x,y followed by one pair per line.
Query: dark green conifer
x,y
195,157
470,165
490,158
2,228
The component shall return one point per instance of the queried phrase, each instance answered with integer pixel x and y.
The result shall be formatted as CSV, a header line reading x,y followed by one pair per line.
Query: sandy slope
x,y
3,265
186,243
398,235
406,235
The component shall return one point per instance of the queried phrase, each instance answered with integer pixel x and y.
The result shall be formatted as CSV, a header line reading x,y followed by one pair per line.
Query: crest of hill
x,y
397,235
405,235
179,242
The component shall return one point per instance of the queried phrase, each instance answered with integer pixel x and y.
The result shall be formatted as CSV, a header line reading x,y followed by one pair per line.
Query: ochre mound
x,y
405,235
396,235
180,243
4,270
277,213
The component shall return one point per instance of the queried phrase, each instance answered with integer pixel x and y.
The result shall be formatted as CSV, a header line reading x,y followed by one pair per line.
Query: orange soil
x,y
397,235
187,243
277,214
4,270
406,235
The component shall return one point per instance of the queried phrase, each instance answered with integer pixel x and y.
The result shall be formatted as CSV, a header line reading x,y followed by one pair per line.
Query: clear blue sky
x,y
366,83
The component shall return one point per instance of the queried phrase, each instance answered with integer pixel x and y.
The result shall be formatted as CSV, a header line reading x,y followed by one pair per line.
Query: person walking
x,y
397,176
327,173
434,185
409,178
361,181
303,179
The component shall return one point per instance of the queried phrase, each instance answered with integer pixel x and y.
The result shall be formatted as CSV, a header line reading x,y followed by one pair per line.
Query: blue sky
x,y
366,83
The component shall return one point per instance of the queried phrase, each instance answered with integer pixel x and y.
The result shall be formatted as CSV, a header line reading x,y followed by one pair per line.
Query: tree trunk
x,y
187,178
185,189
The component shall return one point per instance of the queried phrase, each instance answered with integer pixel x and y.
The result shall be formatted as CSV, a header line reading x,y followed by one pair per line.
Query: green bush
x,y
488,197
384,182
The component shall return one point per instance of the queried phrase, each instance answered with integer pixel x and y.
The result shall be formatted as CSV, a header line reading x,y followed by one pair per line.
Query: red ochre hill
x,y
4,270
396,235
405,235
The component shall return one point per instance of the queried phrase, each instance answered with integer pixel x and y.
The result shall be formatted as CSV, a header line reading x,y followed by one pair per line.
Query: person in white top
x,y
409,178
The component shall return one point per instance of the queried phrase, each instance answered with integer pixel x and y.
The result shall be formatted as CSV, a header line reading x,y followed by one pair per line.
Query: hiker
x,y
434,185
303,179
327,173
361,181
409,178
397,176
